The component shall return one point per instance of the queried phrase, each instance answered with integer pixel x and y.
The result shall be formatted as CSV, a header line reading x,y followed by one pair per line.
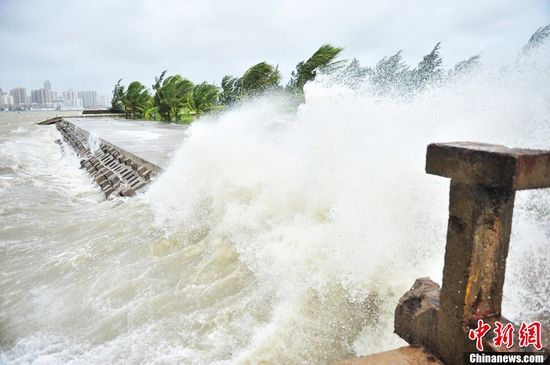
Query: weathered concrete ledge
x,y
116,172
443,321
121,155
153,142
55,119
408,355
484,179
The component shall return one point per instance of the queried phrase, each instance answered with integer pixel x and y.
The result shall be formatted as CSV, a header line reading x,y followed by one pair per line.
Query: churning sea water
x,y
272,238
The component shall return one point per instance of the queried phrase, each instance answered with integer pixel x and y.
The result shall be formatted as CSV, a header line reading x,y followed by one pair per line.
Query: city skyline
x,y
40,84
19,98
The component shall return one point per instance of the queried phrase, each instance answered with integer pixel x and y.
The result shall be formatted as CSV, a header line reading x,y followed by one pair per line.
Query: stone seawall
x,y
117,172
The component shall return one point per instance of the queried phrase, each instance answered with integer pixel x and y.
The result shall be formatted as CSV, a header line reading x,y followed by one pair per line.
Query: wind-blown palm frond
x,y
307,70
203,99
135,100
259,78
171,95
231,89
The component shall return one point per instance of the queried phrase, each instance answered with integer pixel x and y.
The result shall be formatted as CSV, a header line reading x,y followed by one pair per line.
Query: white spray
x,y
332,202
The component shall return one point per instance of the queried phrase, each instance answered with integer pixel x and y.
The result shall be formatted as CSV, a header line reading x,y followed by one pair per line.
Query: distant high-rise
x,y
6,101
47,85
89,98
41,97
19,96
35,97
71,101
105,101
69,95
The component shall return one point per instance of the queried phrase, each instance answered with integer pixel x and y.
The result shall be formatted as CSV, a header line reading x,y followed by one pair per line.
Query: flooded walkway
x,y
154,142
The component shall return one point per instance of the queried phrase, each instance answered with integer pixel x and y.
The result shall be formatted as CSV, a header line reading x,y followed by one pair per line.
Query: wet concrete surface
x,y
155,142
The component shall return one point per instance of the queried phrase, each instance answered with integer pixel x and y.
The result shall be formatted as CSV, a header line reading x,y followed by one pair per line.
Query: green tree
x,y
231,90
151,111
203,99
465,67
353,74
306,71
117,105
428,70
171,95
259,79
356,71
135,100
389,74
158,103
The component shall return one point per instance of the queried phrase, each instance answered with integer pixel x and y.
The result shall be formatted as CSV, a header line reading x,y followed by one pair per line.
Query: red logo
x,y
529,334
504,335
478,333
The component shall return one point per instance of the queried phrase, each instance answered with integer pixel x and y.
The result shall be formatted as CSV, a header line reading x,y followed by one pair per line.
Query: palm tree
x,y
171,95
151,111
135,100
258,79
204,98
231,90
306,71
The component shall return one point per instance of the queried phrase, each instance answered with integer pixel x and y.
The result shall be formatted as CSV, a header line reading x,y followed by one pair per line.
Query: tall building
x,y
6,101
19,96
89,98
41,97
47,85
105,101
71,101
35,97
69,95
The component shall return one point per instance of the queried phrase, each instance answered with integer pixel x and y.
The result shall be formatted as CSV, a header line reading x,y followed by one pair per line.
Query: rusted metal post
x,y
484,179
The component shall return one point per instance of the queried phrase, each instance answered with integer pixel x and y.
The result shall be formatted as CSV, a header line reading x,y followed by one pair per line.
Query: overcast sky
x,y
91,44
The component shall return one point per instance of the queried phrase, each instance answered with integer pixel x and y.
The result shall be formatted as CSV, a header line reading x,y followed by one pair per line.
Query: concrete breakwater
x,y
121,155
113,170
